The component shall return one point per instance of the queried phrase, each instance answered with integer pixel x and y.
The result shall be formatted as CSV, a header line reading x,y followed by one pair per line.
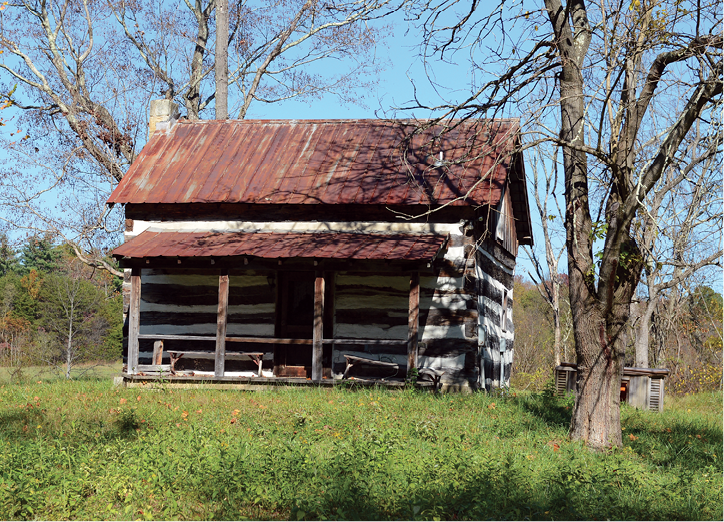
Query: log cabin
x,y
320,250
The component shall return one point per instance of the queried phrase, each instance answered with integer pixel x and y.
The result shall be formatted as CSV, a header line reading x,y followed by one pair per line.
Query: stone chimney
x,y
163,115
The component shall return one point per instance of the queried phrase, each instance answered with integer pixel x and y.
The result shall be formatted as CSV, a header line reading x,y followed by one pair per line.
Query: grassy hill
x,y
85,450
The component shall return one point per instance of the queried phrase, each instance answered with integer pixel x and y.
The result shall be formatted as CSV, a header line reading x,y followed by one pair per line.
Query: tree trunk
x,y
643,327
596,415
600,308
600,325
556,323
69,351
221,68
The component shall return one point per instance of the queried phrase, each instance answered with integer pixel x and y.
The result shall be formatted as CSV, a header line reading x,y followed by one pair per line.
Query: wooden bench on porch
x,y
434,375
175,355
353,359
220,338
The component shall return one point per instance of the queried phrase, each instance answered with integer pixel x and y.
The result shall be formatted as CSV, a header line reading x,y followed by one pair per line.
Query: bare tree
x,y
592,78
77,77
70,307
680,232
544,197
13,329
221,67
272,46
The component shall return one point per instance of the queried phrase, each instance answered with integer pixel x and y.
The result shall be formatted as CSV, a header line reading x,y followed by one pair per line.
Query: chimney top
x,y
163,115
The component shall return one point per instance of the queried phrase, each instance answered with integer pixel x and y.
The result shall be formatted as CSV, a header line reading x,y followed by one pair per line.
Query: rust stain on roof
x,y
323,162
150,244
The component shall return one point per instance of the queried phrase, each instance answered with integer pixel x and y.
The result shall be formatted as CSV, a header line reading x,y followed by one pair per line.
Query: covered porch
x,y
234,307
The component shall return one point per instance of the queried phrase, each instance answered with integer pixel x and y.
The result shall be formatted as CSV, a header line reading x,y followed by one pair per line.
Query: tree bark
x,y
68,350
643,326
596,415
556,330
221,68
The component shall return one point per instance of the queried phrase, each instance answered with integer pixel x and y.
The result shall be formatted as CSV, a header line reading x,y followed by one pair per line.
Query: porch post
x,y
413,322
134,320
318,332
221,324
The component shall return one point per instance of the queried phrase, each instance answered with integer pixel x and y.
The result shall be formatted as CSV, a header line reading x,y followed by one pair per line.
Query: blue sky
x,y
402,76
399,68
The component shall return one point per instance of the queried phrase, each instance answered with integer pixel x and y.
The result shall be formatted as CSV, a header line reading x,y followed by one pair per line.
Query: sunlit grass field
x,y
85,450
99,370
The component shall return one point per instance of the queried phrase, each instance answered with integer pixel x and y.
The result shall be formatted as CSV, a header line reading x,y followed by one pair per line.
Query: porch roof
x,y
152,244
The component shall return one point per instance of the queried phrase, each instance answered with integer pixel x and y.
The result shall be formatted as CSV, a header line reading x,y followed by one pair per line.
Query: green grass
x,y
100,370
84,450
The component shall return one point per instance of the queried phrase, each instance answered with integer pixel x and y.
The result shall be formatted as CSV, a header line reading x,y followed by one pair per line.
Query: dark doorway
x,y
295,320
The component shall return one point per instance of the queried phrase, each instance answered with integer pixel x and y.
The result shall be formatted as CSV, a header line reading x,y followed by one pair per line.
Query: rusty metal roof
x,y
324,162
281,245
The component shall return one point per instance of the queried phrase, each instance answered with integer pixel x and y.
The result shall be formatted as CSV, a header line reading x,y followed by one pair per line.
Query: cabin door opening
x,y
295,320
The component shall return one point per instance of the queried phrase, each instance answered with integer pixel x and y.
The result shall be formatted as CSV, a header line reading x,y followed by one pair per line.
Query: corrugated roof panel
x,y
392,190
282,164
319,162
256,146
211,151
180,166
277,149
358,169
134,188
299,166
333,182
327,246
386,167
402,249
150,244
224,165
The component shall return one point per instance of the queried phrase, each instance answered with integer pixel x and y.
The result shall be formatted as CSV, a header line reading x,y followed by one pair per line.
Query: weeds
x,y
83,450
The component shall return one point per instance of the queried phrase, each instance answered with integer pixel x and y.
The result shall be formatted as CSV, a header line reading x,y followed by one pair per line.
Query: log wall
x,y
185,302
449,315
371,306
465,310
495,273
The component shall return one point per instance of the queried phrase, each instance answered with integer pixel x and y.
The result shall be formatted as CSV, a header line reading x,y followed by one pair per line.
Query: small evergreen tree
x,y
8,260
39,254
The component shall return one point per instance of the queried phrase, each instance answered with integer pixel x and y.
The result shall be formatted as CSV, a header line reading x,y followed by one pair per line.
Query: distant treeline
x,y
686,338
54,309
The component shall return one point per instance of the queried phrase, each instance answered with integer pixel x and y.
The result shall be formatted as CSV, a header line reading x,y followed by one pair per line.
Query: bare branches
x,y
86,72
342,30
281,40
631,82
